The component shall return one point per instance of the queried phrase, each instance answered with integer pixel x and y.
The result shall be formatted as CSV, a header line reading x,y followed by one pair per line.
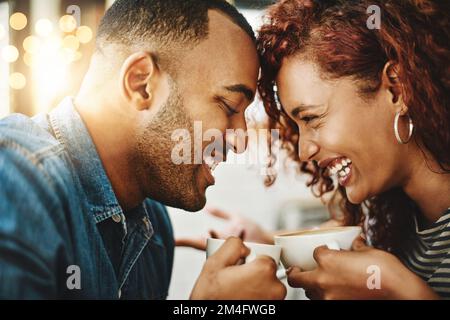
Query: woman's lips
x,y
341,167
345,180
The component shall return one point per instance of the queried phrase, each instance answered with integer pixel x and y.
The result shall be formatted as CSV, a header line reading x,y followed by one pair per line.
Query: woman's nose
x,y
307,149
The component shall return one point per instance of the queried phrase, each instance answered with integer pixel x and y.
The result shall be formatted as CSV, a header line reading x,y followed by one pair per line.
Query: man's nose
x,y
237,136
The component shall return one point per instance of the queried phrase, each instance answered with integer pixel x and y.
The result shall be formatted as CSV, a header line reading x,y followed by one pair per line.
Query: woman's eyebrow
x,y
302,108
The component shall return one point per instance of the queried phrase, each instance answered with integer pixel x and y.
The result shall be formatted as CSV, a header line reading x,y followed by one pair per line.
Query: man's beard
x,y
161,179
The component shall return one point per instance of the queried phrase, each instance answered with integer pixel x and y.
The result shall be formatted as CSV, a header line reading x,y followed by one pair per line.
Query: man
x,y
76,220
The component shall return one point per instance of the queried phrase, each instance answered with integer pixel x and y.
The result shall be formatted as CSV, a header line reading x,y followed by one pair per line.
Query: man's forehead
x,y
222,24
228,53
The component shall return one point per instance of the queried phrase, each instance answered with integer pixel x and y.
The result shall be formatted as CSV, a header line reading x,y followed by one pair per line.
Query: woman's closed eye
x,y
313,121
308,119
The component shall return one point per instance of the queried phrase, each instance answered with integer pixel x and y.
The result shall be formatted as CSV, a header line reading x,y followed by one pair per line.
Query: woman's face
x,y
351,136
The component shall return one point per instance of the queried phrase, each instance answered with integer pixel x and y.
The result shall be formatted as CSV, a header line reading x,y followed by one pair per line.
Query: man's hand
x,y
223,279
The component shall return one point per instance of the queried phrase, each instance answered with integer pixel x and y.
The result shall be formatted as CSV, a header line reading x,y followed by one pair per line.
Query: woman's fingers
x,y
213,234
219,213
196,243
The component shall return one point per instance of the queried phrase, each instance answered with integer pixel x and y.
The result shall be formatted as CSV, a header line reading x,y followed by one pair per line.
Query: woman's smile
x,y
341,167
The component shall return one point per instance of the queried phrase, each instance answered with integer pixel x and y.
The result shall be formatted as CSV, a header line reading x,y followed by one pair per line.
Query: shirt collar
x,y
72,133
440,224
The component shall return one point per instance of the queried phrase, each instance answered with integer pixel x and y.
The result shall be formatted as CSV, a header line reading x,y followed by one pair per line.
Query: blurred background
x,y
45,49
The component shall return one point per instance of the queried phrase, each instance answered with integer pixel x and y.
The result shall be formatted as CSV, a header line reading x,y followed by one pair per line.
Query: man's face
x,y
215,83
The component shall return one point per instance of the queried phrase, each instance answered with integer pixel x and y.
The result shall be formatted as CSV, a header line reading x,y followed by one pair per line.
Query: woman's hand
x,y
236,226
364,273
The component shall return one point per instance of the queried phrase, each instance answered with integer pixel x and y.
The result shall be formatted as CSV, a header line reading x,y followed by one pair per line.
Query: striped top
x,y
429,256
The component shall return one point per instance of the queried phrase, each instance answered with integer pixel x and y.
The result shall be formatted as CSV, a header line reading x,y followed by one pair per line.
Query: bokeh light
x,y
18,21
29,59
52,44
17,81
67,23
84,34
2,32
44,27
32,44
78,56
10,54
71,42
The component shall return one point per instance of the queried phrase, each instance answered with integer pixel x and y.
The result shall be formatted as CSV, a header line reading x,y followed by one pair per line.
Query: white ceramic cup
x,y
298,248
256,249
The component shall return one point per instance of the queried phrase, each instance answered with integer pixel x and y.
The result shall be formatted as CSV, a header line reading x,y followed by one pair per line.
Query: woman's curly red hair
x,y
414,34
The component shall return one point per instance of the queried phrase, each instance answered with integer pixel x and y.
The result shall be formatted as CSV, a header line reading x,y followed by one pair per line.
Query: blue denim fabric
x,y
58,209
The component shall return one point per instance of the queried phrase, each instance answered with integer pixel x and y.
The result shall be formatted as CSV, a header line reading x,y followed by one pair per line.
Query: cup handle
x,y
333,245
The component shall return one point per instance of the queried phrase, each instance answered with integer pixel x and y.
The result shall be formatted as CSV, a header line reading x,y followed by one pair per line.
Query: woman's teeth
x,y
341,167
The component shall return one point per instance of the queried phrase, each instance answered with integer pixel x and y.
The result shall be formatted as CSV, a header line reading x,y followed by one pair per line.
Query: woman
x,y
365,112
368,110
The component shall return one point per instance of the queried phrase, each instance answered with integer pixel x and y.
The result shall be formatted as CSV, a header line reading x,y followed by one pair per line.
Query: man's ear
x,y
391,82
137,76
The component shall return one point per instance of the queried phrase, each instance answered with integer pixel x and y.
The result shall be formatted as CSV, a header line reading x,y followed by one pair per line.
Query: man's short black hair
x,y
163,22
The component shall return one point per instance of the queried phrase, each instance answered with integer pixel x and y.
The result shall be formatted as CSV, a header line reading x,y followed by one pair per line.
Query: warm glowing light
x,y
53,44
71,42
18,21
31,44
49,73
44,27
84,34
67,23
2,32
17,81
10,54
29,59
67,56
78,56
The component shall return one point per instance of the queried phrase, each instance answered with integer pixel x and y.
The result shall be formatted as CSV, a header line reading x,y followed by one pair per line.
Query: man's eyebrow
x,y
302,108
241,88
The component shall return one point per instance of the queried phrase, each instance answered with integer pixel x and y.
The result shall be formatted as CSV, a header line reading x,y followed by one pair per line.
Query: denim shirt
x,y
63,234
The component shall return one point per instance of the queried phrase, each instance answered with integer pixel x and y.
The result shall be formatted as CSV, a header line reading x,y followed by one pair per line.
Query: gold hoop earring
x,y
397,134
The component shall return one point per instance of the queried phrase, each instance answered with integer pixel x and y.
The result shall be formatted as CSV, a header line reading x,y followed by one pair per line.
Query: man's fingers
x,y
266,263
264,268
229,253
301,279
359,244
219,213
